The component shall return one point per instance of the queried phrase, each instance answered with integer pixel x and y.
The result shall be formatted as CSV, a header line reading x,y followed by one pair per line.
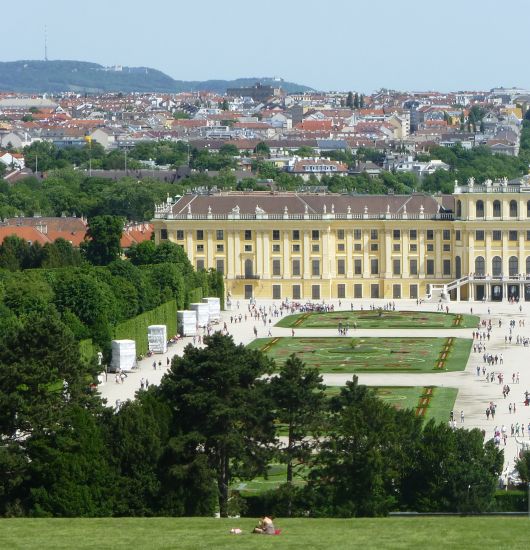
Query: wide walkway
x,y
475,393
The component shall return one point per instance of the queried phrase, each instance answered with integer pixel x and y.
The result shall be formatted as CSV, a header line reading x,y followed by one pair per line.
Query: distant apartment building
x,y
259,92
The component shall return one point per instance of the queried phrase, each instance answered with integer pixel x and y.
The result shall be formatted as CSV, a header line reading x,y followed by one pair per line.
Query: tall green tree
x,y
221,402
360,463
349,100
102,244
41,376
298,394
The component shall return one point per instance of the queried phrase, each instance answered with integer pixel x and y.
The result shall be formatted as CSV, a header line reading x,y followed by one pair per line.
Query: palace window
x,y
296,268
497,211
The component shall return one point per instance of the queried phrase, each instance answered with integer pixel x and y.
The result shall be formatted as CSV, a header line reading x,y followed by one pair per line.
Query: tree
x,y
305,151
350,100
137,436
262,149
14,253
367,450
221,404
298,394
70,473
452,471
356,101
522,466
361,101
38,356
102,242
229,150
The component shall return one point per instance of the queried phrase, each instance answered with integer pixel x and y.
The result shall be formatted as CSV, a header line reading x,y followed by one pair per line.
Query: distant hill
x,y
84,77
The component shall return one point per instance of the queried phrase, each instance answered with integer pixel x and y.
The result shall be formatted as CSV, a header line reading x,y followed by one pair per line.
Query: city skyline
x,y
348,47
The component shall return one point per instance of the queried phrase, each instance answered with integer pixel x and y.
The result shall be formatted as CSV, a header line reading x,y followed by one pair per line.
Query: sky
x,y
343,45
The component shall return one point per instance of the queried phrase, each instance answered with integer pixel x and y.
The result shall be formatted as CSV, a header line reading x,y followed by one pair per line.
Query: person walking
x,y
461,417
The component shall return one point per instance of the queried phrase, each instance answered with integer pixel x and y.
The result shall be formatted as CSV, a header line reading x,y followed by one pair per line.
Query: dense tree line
x,y
70,191
90,300
178,449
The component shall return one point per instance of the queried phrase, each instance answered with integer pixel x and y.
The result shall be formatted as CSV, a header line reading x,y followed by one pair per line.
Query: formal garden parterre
x,y
363,354
379,318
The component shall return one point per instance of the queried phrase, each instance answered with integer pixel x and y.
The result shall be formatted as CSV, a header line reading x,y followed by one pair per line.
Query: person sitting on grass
x,y
265,527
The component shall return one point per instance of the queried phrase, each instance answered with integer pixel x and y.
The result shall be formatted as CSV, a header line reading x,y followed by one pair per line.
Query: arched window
x,y
528,265
496,266
513,266
479,209
497,209
458,209
513,209
249,268
480,265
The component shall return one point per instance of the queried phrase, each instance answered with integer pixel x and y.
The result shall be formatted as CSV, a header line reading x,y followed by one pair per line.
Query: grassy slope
x,y
370,319
207,534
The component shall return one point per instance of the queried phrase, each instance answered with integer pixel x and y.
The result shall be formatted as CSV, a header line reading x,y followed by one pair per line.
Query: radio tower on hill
x,y
45,43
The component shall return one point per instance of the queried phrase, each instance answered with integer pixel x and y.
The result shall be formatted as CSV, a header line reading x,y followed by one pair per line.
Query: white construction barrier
x,y
214,307
202,312
157,338
123,355
187,322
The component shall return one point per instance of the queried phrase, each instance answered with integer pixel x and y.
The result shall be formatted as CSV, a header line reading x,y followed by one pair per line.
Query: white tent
x,y
157,338
187,322
214,307
202,312
123,355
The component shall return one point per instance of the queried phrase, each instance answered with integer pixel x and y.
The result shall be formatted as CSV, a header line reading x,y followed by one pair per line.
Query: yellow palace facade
x,y
473,244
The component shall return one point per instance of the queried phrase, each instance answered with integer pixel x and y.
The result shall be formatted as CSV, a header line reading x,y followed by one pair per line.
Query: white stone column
x,y
438,253
230,257
259,253
349,253
266,255
286,256
306,255
238,268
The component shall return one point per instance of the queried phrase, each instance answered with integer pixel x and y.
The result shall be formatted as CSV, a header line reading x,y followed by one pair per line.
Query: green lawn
x,y
371,319
360,354
276,476
212,534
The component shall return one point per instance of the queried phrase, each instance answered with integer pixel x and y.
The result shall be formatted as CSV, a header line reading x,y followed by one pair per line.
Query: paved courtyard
x,y
474,392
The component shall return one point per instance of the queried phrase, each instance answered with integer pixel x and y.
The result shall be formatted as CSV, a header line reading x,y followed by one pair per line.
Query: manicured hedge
x,y
87,349
511,501
195,295
136,328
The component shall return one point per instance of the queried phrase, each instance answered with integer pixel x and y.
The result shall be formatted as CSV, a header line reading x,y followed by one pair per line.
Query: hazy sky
x,y
328,44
